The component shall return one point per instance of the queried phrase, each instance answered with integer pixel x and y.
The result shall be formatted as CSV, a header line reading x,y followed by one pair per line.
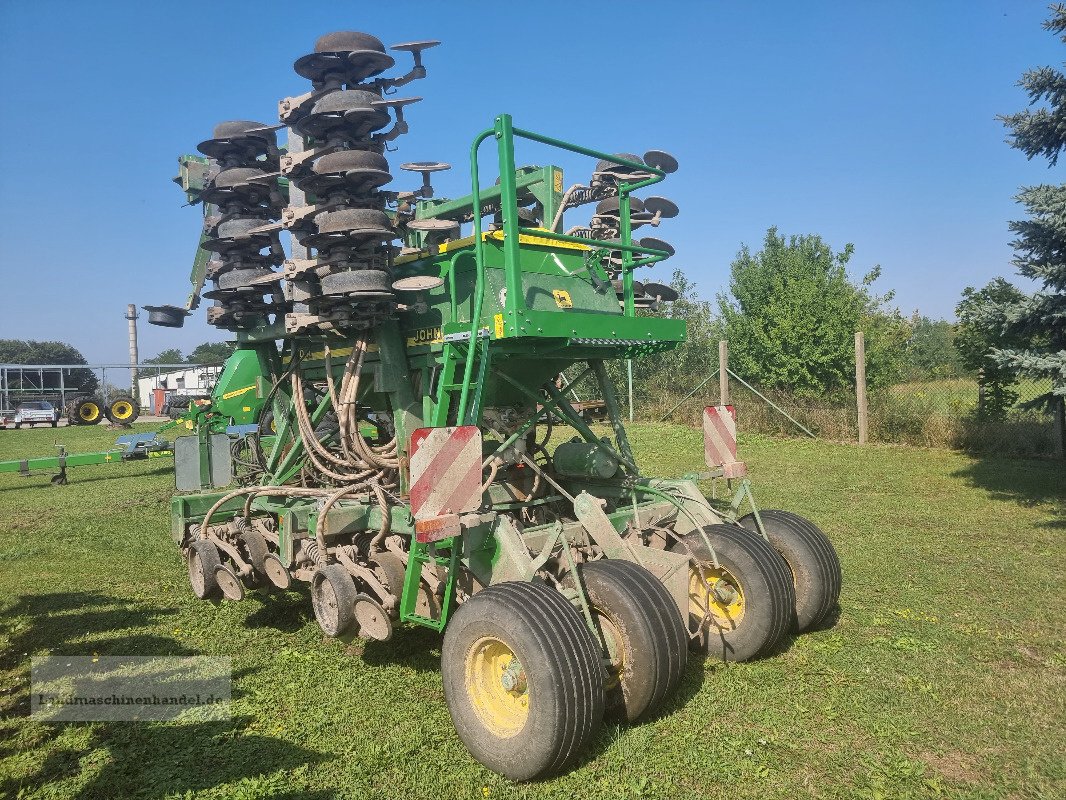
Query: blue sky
x,y
866,122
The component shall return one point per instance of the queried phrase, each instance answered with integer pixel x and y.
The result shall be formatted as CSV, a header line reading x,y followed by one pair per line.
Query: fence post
x,y
723,373
860,385
1059,429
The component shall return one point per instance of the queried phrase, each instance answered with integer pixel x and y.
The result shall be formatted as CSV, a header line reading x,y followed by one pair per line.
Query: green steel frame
x,y
470,347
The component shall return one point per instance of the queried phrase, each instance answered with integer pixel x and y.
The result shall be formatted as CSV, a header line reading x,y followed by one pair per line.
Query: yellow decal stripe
x,y
237,392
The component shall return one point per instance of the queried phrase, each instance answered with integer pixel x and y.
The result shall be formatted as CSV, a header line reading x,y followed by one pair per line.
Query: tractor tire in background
x,y
646,638
811,558
750,605
85,411
522,679
266,423
122,410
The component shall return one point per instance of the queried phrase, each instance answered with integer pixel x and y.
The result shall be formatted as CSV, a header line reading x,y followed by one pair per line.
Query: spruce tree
x,y
1039,321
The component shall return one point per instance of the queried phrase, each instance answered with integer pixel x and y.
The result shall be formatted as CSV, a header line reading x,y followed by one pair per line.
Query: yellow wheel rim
x,y
123,409
716,594
89,412
497,687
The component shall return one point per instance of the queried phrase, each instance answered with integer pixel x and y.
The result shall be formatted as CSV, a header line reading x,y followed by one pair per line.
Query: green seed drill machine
x,y
403,363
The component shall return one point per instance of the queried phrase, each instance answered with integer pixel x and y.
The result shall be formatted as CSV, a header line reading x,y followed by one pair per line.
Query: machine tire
x,y
522,733
255,548
266,423
333,597
631,605
390,570
202,560
122,410
236,279
86,411
763,612
364,280
811,559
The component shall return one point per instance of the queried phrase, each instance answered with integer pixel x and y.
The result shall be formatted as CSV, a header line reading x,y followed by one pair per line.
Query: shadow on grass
x,y
143,759
152,760
414,647
691,684
286,611
1031,482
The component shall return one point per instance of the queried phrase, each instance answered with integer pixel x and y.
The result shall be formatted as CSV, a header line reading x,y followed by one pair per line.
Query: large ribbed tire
x,y
645,636
122,410
751,605
529,638
812,560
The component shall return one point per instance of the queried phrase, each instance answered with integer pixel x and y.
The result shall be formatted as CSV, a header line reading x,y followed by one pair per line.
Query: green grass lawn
x,y
945,674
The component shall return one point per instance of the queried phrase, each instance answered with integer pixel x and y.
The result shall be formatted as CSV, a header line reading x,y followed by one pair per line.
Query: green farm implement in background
x,y
233,410
388,429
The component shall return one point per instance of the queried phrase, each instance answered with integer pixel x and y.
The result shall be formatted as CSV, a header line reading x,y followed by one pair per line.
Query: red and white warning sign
x,y
720,440
445,471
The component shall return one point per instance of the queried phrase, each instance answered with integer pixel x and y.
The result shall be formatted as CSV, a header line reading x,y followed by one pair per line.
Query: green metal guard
x,y
505,133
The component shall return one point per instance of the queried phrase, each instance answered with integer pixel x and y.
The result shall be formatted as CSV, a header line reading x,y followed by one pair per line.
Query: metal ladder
x,y
419,555
458,352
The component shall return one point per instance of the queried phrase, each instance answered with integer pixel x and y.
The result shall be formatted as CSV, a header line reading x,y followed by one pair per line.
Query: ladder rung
x,y
427,621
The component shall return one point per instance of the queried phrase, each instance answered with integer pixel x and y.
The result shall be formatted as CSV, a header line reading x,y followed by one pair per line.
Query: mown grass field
x,y
945,674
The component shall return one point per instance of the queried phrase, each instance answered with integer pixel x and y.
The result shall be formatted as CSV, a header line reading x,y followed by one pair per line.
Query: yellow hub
x,y
123,409
717,594
89,412
496,685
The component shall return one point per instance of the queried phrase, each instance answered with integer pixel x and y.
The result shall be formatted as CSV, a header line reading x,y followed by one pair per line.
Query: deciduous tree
x,y
792,312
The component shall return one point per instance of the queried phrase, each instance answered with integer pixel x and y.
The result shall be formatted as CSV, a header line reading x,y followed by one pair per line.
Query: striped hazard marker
x,y
720,440
445,471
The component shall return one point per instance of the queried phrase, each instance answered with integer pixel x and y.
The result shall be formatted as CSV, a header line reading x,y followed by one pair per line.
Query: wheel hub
x,y
497,685
716,595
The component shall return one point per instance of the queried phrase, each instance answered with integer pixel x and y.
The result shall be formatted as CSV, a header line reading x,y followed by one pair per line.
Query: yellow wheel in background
x,y
122,410
88,412
747,604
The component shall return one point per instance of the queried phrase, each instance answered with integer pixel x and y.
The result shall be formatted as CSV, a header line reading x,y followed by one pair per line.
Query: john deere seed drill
x,y
410,364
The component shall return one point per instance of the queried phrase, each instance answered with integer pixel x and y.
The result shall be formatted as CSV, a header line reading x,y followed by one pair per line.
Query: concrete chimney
x,y
131,315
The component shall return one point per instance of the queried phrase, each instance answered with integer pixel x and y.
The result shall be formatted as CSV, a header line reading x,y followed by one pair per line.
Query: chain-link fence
x,y
948,413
